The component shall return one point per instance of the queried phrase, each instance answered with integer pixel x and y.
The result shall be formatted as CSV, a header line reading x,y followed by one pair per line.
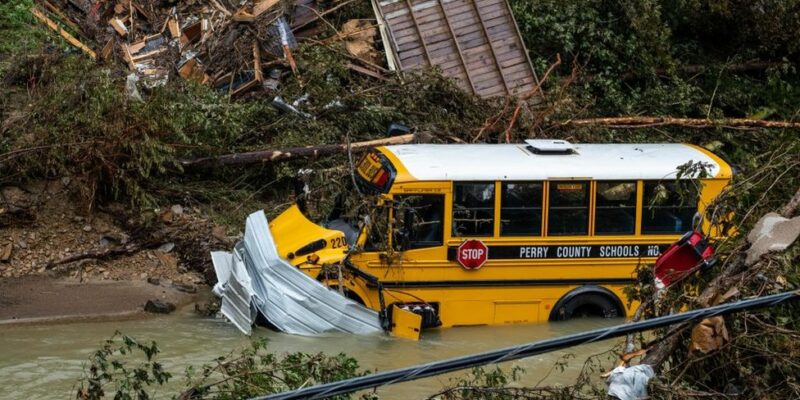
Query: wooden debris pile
x,y
231,45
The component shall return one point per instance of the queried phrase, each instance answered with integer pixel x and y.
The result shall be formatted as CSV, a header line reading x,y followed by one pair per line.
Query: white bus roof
x,y
489,162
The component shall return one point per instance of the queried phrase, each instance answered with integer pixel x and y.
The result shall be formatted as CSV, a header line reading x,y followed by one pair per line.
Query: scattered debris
x,y
159,307
204,42
709,335
771,233
210,308
630,383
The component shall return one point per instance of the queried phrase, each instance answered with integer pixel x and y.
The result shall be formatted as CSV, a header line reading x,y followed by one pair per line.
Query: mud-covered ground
x,y
44,224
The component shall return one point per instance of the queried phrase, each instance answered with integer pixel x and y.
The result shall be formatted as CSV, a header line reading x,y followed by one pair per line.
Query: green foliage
x,y
82,122
16,27
634,50
123,367
256,372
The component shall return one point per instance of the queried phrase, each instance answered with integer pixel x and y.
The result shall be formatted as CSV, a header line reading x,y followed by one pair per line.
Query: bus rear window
x,y
669,206
374,173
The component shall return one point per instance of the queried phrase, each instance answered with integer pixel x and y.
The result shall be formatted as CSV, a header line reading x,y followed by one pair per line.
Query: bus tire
x,y
587,301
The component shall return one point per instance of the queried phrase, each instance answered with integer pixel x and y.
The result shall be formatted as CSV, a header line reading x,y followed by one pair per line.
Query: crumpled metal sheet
x,y
236,293
289,299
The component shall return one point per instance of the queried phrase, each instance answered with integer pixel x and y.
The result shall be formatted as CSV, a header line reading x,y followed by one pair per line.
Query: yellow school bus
x,y
472,234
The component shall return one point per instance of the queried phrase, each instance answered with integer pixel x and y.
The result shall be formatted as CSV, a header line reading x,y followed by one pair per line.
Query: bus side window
x,y
669,206
568,209
521,209
418,221
615,208
473,209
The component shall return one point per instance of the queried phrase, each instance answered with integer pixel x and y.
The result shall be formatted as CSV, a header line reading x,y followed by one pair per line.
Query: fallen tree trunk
x,y
634,122
646,122
279,155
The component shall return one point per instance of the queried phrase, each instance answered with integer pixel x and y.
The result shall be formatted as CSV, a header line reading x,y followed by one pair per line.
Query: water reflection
x,y
45,361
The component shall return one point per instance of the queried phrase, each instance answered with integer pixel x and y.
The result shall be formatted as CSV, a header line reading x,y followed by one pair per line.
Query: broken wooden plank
x,y
57,11
257,62
105,54
258,76
263,6
174,28
66,35
191,70
192,33
243,16
366,71
118,26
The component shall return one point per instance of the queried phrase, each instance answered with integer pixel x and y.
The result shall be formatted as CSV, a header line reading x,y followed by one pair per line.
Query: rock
x,y
218,232
166,247
159,307
87,228
183,287
154,280
15,198
22,244
5,252
77,218
167,260
143,275
177,209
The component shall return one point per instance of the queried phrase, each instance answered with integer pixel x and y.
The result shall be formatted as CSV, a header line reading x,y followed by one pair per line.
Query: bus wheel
x,y
585,302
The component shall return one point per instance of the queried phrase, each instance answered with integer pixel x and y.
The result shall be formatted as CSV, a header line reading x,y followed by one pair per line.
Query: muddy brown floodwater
x,y
46,361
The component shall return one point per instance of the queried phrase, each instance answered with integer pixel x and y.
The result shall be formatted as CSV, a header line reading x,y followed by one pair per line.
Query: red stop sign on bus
x,y
472,254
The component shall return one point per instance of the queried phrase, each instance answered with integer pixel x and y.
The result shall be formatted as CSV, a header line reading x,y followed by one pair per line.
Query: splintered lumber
x,y
646,122
174,28
118,26
107,49
66,35
366,71
280,155
193,71
263,6
192,33
243,16
55,10
258,76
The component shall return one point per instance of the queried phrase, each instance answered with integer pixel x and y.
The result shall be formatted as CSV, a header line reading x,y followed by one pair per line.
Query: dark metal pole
x,y
522,351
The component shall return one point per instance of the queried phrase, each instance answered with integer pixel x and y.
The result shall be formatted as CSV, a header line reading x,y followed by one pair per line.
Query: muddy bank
x,y
42,299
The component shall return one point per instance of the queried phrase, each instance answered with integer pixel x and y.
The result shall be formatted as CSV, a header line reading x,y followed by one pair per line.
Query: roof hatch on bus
x,y
375,173
550,146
